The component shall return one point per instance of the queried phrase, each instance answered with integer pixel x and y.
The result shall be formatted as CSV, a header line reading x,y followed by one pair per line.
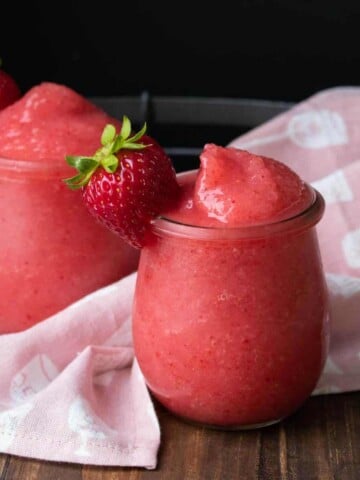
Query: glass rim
x,y
303,220
32,167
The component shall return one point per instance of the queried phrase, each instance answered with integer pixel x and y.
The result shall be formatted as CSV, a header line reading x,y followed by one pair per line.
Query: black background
x,y
282,50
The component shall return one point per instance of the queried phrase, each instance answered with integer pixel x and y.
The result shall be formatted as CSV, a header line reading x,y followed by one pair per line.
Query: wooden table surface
x,y
321,441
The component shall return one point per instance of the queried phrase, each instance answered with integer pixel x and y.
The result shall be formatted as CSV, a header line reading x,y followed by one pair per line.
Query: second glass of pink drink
x,y
230,312
52,252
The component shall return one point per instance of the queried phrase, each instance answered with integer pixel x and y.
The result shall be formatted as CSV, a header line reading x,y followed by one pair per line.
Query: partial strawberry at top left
x,y
9,89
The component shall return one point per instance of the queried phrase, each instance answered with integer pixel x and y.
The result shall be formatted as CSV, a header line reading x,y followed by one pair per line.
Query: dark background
x,y
281,50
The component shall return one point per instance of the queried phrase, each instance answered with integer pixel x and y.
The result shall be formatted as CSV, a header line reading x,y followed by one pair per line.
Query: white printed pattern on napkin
x,y
351,248
32,378
25,384
334,188
83,421
313,129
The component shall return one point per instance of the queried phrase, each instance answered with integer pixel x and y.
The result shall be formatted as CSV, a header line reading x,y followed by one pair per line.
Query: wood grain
x,y
319,442
4,461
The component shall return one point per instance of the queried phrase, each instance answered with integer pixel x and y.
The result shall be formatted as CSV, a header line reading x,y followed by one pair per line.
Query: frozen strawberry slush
x,y
235,188
230,307
52,252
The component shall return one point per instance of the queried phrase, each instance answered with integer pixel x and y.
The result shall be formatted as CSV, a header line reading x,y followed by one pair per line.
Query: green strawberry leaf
x,y
82,164
76,182
118,144
108,134
125,128
134,146
138,135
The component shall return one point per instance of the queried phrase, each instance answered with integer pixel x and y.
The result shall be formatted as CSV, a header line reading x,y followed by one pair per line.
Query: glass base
x,y
233,428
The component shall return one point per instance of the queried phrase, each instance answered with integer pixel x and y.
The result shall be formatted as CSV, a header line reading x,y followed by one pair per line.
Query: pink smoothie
x,y
52,252
230,308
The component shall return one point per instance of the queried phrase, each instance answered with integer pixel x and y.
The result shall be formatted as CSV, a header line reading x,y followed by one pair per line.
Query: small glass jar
x,y
52,252
230,324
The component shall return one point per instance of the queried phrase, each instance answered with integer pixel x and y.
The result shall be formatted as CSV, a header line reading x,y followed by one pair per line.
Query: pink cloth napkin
x,y
71,391
70,388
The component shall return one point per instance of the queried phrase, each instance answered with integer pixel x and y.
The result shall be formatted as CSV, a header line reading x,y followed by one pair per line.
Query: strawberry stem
x,y
105,156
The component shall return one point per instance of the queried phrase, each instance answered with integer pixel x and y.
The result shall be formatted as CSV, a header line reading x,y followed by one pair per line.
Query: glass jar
x,y
52,252
230,324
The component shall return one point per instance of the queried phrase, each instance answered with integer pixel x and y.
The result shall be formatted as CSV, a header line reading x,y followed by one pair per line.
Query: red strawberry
x,y
126,183
9,90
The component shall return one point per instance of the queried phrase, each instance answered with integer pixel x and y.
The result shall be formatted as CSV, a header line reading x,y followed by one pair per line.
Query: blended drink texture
x,y
52,252
229,329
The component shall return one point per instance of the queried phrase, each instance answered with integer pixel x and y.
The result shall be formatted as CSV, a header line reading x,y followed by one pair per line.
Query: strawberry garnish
x,y
9,89
129,181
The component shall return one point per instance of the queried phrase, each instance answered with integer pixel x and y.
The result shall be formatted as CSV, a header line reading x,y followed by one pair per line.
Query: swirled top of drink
x,y
237,188
48,122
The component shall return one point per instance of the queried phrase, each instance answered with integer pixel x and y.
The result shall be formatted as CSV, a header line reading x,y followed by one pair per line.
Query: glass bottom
x,y
233,428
